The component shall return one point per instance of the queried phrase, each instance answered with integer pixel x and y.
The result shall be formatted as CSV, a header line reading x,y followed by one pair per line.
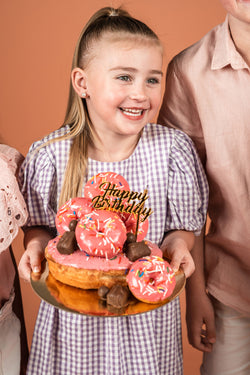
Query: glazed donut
x,y
92,187
101,233
151,279
73,209
130,221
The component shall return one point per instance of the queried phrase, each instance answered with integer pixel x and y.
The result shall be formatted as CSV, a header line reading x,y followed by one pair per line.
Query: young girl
x,y
115,93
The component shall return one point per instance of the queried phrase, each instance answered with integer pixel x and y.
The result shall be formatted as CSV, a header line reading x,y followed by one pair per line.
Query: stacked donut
x,y
93,246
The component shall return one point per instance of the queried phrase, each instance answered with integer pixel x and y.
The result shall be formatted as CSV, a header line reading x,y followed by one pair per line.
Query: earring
x,y
84,94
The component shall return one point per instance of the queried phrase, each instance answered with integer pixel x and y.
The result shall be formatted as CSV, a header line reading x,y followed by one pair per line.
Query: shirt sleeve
x,y
179,108
13,211
187,188
37,178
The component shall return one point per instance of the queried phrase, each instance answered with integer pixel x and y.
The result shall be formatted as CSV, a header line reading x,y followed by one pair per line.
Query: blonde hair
x,y
106,20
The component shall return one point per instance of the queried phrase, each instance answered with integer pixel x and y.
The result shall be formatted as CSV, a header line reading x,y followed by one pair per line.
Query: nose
x,y
139,97
138,93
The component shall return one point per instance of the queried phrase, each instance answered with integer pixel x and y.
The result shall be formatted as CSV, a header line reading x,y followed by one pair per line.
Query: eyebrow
x,y
130,69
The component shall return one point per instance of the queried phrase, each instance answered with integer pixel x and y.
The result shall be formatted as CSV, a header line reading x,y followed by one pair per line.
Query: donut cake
x,y
101,239
89,272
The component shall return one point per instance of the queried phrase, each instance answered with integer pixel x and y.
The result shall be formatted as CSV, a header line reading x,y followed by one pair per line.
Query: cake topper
x,y
111,191
114,199
122,201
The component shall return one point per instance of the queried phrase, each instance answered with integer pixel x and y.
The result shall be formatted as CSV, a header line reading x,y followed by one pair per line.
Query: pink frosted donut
x,y
151,279
73,209
101,233
130,221
92,187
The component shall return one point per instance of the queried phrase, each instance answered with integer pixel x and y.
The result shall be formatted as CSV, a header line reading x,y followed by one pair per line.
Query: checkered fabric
x,y
165,163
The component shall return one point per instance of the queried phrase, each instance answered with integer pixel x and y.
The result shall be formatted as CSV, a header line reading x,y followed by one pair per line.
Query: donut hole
x,y
154,280
151,281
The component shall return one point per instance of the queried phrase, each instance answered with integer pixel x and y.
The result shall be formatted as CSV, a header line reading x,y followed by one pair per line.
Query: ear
x,y
78,79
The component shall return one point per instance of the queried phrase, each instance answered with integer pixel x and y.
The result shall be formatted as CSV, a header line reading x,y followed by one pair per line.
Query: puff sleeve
x,y
13,212
38,185
188,187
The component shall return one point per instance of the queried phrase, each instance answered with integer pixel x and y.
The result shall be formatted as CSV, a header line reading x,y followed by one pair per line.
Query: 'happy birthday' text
x,y
124,201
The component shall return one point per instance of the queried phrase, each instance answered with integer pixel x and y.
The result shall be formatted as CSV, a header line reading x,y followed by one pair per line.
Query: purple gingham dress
x,y
64,343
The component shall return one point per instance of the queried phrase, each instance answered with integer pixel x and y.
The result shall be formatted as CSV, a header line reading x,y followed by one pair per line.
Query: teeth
x,y
132,112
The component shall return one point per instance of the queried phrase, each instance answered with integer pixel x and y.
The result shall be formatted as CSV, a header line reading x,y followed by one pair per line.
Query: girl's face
x,y
123,83
239,9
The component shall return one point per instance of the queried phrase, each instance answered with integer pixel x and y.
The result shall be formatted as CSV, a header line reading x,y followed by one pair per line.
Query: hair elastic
x,y
113,13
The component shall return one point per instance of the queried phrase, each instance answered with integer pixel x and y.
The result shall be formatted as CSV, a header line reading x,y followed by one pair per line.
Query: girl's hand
x,y
31,261
35,241
176,247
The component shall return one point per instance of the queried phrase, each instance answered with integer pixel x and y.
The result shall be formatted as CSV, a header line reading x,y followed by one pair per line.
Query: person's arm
x,y
35,241
199,309
7,276
38,183
176,246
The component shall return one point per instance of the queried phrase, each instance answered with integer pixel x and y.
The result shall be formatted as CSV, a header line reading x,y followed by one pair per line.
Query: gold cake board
x,y
87,302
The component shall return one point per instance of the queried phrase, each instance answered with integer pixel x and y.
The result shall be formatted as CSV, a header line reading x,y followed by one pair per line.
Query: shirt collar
x,y
225,52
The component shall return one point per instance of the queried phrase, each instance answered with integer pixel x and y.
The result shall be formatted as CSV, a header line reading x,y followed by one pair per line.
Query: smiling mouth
x,y
132,112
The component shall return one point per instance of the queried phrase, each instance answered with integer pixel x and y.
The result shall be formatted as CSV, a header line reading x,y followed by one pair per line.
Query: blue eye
x,y
124,78
153,80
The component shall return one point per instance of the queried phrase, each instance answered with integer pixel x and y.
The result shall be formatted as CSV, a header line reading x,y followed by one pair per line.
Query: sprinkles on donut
x,y
151,279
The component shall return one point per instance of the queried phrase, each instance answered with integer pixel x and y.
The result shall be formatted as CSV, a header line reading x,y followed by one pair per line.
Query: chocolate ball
x,y
118,296
102,292
136,250
72,225
67,243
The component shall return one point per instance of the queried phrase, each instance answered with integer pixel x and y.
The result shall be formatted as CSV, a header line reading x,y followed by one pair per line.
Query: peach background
x,y
37,40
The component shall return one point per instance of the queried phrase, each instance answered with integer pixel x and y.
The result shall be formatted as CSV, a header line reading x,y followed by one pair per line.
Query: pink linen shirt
x,y
208,96
13,214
